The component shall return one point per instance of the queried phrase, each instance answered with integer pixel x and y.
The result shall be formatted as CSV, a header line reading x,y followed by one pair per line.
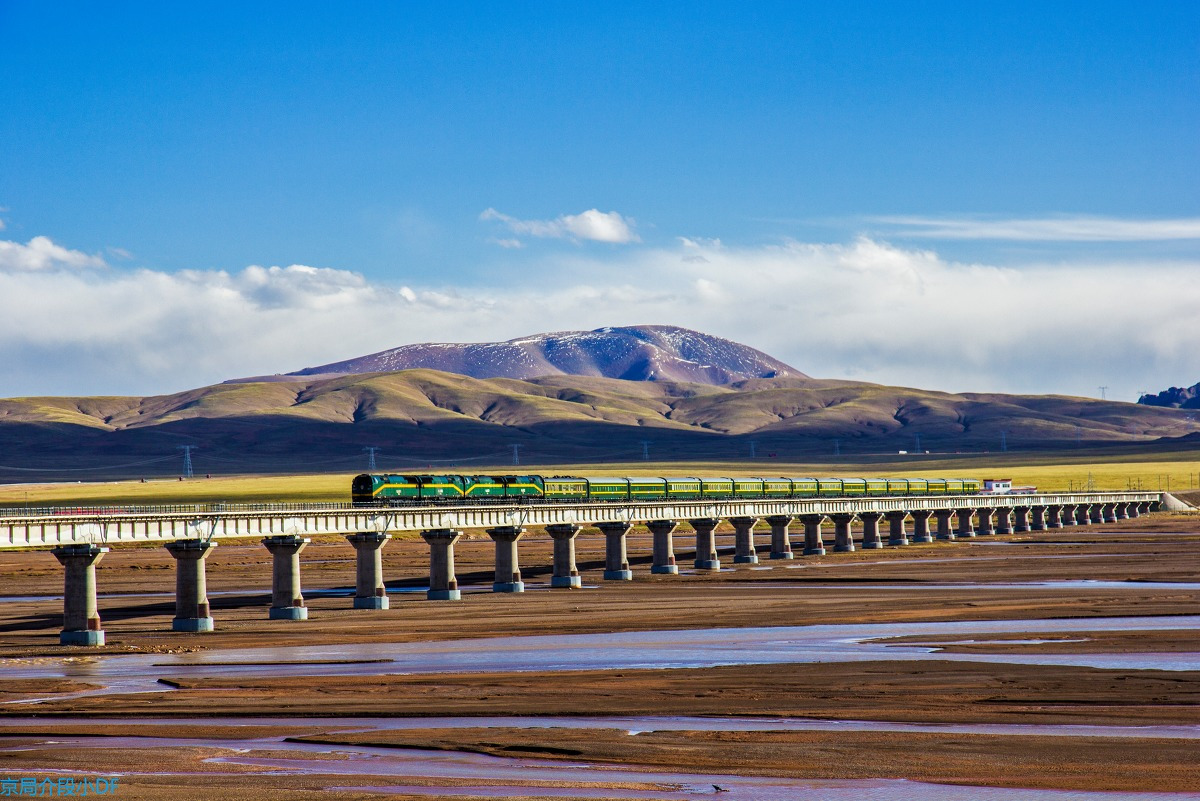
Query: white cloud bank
x,y
1049,229
865,309
592,225
40,253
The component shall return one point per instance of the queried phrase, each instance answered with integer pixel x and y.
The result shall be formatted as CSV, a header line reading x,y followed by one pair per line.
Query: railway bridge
x,y
79,537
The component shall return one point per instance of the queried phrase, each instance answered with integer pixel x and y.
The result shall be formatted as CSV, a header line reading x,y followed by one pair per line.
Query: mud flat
x,y
1025,634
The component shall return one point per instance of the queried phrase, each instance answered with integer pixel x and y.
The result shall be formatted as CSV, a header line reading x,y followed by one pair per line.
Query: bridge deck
x,y
112,525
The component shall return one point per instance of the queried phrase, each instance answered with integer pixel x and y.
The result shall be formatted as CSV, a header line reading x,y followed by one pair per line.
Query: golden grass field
x,y
1178,471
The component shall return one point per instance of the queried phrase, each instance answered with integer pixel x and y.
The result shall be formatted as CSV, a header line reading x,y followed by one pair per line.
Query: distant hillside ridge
x,y
1174,398
424,419
633,353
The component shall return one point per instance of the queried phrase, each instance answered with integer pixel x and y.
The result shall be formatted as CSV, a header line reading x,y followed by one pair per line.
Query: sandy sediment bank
x,y
1148,568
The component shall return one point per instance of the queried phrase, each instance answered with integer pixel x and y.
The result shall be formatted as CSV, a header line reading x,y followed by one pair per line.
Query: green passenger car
x,y
877,487
808,487
854,487
647,489
716,488
565,488
684,488
747,487
829,487
777,487
607,489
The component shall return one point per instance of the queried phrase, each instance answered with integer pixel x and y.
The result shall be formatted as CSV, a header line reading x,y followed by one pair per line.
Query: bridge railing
x,y
210,508
206,508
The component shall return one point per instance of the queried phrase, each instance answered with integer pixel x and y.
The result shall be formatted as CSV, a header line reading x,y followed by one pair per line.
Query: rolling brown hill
x,y
427,417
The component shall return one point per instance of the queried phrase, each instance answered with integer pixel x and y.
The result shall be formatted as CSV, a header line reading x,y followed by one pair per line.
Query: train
x,y
386,489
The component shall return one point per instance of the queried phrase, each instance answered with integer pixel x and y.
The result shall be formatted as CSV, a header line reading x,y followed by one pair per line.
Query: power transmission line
x,y
187,459
370,452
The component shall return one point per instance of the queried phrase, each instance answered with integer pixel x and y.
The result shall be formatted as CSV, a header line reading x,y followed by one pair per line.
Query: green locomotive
x,y
376,489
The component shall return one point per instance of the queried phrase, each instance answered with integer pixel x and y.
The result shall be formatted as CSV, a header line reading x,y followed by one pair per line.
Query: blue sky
x,y
453,155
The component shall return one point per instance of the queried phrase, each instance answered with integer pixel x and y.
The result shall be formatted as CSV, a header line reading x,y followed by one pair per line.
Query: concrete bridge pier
x,y
369,589
744,552
843,539
1135,510
944,530
813,544
781,541
1020,519
508,569
287,603
1109,512
1144,507
1082,513
1097,513
1054,516
985,529
1122,510
1068,515
870,524
1037,518
81,617
1004,521
616,554
663,546
965,529
706,543
443,585
896,533
566,574
921,532
191,591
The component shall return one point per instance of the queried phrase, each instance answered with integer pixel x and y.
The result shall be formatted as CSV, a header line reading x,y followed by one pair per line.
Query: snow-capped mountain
x,y
635,353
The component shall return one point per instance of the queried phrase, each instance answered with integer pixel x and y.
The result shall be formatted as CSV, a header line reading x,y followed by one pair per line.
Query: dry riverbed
x,y
1147,568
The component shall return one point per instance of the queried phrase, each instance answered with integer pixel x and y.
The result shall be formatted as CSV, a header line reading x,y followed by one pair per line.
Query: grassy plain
x,y
1178,471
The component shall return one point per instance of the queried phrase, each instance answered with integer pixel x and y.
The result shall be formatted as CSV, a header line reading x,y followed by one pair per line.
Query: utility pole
x,y
370,452
516,454
187,459
752,446
918,449
1004,442
837,448
1103,390
645,450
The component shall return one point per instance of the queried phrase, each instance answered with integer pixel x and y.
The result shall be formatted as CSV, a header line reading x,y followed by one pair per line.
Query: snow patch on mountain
x,y
636,353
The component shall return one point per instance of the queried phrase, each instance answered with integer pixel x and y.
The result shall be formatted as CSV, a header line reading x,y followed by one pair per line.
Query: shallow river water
x,y
421,773
391,771
690,648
